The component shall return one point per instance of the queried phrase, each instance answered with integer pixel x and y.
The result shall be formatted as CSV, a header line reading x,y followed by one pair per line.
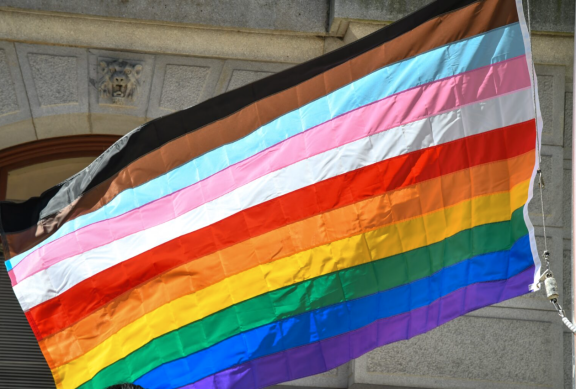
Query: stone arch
x,y
47,150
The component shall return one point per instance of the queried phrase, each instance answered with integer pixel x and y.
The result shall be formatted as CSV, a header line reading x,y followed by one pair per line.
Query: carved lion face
x,y
119,80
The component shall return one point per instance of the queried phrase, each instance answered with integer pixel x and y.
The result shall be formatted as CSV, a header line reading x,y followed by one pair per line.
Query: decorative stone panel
x,y
15,118
551,84
181,82
188,80
56,80
239,73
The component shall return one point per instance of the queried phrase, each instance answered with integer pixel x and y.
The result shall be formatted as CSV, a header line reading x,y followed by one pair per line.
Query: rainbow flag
x,y
286,227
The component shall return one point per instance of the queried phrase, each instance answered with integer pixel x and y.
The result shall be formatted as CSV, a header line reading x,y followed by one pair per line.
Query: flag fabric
x,y
286,227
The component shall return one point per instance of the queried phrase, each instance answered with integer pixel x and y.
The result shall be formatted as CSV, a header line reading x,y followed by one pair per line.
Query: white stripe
x,y
535,104
465,121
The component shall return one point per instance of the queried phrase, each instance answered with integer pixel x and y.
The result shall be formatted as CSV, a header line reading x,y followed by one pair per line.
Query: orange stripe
x,y
354,219
71,306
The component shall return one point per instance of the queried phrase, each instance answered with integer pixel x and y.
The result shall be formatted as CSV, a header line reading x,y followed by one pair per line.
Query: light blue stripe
x,y
446,61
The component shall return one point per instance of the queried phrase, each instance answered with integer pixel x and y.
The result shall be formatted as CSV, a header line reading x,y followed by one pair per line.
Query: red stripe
x,y
74,304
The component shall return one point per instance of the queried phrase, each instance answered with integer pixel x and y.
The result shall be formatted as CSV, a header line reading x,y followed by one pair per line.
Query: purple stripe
x,y
327,354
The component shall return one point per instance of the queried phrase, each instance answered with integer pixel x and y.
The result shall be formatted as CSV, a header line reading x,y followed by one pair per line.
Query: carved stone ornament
x,y
119,81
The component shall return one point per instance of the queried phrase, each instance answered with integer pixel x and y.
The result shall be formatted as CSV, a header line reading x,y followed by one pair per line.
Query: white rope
x,y
571,326
538,147
551,287
565,320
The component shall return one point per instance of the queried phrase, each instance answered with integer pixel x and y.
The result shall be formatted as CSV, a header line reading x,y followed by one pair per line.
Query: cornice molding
x,y
62,29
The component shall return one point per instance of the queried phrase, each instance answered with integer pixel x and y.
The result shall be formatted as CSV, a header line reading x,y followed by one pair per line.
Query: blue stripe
x,y
340,318
482,50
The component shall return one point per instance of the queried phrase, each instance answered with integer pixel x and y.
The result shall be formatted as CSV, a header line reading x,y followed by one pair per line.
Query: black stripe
x,y
152,135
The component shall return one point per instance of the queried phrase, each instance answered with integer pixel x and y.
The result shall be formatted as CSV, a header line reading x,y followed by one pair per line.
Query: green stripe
x,y
347,284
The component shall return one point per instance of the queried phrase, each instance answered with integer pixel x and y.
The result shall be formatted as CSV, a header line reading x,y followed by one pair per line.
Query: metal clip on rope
x,y
551,288
547,261
540,178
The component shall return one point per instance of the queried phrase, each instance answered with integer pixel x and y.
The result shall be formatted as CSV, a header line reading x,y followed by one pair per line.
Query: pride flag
x,y
284,228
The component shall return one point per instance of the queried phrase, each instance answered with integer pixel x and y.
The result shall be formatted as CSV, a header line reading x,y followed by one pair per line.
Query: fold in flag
x,y
291,225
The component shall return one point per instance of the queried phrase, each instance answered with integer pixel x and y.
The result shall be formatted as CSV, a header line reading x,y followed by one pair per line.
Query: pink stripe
x,y
404,107
12,276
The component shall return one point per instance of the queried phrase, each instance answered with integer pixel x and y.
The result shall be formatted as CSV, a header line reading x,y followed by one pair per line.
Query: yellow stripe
x,y
380,243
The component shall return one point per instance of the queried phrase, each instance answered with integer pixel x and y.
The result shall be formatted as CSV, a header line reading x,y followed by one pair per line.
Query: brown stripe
x,y
469,21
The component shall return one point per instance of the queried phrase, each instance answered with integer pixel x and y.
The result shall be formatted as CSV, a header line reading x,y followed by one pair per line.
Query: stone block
x,y
375,9
331,44
114,124
181,82
470,352
356,31
15,117
567,277
62,125
238,73
553,175
8,98
308,16
568,107
568,364
286,386
551,91
56,80
567,199
369,386
16,133
335,378
553,50
352,32
241,77
292,15
342,11
545,15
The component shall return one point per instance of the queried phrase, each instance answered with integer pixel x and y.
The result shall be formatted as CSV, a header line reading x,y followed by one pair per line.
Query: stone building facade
x,y
98,69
